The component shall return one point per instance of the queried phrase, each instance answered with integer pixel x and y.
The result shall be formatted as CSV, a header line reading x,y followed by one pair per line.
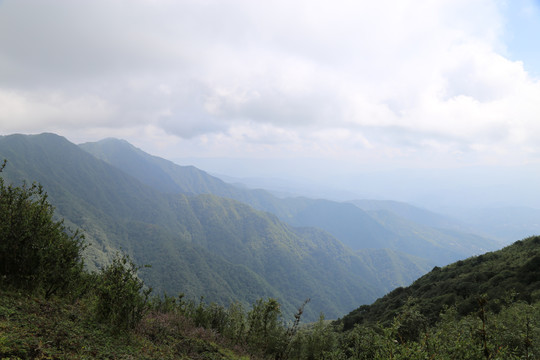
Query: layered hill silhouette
x,y
360,224
203,236
201,244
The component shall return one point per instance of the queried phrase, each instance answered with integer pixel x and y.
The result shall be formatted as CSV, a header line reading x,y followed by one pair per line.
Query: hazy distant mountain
x,y
383,229
406,229
506,223
413,213
282,187
200,244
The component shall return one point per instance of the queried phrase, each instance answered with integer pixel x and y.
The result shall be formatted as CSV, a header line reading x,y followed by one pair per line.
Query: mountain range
x,y
383,224
203,236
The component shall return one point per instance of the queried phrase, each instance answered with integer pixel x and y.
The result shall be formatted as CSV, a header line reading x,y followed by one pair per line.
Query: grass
x,y
35,328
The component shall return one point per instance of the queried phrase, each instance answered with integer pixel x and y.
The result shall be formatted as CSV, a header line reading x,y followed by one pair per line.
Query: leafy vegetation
x,y
32,327
36,252
121,300
513,333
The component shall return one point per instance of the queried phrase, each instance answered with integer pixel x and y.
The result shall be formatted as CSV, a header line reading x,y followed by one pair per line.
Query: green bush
x,y
316,342
121,300
36,252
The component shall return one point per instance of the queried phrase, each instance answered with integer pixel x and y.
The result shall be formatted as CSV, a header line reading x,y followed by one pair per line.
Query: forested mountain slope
x,y
166,176
506,275
115,211
157,172
203,244
355,227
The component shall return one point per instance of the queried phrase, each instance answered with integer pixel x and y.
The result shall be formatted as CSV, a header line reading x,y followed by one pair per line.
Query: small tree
x,y
266,332
121,298
36,252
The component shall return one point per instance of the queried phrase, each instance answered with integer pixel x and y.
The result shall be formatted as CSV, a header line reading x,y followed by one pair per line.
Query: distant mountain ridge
x,y
413,213
154,171
360,224
200,244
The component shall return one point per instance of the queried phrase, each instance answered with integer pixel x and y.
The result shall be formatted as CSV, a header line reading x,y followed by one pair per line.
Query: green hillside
x,y
508,275
115,211
198,245
436,239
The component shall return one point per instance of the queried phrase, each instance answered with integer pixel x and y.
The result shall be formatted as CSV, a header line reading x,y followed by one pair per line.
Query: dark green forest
x,y
484,307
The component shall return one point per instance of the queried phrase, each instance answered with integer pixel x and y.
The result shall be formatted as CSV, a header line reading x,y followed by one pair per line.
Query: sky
x,y
349,85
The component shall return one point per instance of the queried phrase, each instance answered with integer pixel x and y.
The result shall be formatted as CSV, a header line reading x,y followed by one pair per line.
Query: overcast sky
x,y
373,84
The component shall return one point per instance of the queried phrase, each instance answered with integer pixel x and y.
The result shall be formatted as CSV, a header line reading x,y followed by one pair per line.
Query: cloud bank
x,y
370,81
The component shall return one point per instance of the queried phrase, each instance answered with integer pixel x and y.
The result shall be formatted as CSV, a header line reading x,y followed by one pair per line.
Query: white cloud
x,y
355,78
28,111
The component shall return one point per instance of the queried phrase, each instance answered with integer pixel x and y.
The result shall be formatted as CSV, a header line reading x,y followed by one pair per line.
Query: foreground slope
x,y
200,245
438,242
32,327
512,273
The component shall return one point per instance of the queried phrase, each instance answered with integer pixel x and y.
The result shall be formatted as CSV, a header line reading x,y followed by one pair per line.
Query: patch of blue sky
x,y
522,34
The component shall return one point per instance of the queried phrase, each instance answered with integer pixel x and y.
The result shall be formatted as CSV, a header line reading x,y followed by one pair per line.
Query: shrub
x,y
36,252
121,300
